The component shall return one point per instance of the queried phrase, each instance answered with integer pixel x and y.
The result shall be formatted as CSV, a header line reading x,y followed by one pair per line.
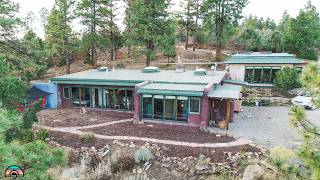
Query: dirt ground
x,y
160,131
73,117
216,154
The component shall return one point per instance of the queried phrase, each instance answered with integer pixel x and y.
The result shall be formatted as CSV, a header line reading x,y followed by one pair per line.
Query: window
x,y
266,72
195,105
249,75
147,106
66,93
260,75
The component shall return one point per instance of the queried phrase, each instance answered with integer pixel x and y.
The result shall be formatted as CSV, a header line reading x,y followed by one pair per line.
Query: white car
x,y
304,99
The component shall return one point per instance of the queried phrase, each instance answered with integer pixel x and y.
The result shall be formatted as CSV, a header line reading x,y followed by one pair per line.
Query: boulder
x,y
71,173
253,172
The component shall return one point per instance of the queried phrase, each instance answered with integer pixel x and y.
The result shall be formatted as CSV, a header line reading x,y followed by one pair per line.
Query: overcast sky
x,y
261,8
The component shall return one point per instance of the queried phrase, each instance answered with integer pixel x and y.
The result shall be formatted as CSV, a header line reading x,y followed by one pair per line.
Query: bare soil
x,y
160,131
216,154
73,117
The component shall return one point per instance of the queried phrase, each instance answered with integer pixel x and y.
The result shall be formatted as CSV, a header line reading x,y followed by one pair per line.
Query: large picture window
x,y
195,105
260,75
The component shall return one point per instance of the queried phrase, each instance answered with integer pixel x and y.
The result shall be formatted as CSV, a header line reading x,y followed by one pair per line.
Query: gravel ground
x,y
268,126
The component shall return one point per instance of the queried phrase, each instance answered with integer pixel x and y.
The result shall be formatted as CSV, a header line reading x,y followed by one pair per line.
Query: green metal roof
x,y
132,77
173,89
263,58
232,92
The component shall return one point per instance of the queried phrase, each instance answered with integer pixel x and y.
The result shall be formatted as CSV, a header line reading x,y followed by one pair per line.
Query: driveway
x,y
268,126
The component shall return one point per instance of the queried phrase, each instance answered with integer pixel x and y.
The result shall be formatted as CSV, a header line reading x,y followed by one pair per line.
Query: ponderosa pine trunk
x,y
188,22
196,28
93,31
150,47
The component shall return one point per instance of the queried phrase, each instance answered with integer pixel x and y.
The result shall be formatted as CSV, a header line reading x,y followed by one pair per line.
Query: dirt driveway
x,y
268,126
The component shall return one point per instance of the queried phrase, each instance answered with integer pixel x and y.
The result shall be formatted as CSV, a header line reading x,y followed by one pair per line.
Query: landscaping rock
x,y
71,173
253,172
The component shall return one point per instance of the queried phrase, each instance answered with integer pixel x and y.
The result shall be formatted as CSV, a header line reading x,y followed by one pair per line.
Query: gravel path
x,y
268,126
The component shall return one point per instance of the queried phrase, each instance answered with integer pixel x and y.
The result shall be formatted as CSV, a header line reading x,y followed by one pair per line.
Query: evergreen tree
x,y
221,16
148,24
302,34
59,35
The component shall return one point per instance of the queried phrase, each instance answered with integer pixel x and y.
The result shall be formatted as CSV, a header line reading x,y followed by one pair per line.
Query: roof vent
x,y
151,69
104,69
200,72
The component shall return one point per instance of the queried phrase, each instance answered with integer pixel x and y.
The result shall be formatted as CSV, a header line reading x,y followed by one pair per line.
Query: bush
x,y
88,138
27,135
286,80
37,106
28,118
143,155
37,156
285,161
124,163
308,54
42,134
12,134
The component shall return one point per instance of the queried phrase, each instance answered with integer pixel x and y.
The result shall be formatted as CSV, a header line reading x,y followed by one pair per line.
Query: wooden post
x,y
228,113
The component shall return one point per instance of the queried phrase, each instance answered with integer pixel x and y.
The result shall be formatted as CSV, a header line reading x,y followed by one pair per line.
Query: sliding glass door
x,y
165,108
147,107
170,108
182,109
158,107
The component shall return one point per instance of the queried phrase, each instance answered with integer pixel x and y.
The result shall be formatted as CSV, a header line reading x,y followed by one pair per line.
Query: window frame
x,y
69,93
193,112
262,74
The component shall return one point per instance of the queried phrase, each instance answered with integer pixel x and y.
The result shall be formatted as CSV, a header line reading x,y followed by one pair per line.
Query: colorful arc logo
x,y
14,171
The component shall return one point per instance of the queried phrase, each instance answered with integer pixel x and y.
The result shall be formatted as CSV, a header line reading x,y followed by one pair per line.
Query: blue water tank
x,y
52,102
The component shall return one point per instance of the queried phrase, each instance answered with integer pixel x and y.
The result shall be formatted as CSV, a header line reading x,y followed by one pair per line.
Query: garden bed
x,y
160,131
216,154
73,117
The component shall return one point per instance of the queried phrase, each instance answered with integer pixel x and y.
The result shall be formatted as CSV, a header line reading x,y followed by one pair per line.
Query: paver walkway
x,y
76,130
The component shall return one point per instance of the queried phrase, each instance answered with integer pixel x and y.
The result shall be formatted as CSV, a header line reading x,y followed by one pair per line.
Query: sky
x,y
261,8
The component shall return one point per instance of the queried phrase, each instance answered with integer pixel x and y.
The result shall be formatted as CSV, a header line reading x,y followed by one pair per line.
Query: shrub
x,y
88,138
37,106
42,134
28,118
286,80
285,161
12,134
102,171
143,155
27,135
124,163
37,156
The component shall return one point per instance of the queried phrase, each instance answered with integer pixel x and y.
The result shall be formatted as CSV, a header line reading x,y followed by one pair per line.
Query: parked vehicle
x,y
304,99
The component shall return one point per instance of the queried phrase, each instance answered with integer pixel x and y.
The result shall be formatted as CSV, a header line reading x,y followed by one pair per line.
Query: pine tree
x,y
220,16
148,24
59,34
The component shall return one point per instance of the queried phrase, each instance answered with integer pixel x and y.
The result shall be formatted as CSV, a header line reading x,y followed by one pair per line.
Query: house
x,y
194,98
259,69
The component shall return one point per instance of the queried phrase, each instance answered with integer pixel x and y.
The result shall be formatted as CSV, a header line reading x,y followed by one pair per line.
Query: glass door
x,y
147,106
158,107
182,109
170,108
